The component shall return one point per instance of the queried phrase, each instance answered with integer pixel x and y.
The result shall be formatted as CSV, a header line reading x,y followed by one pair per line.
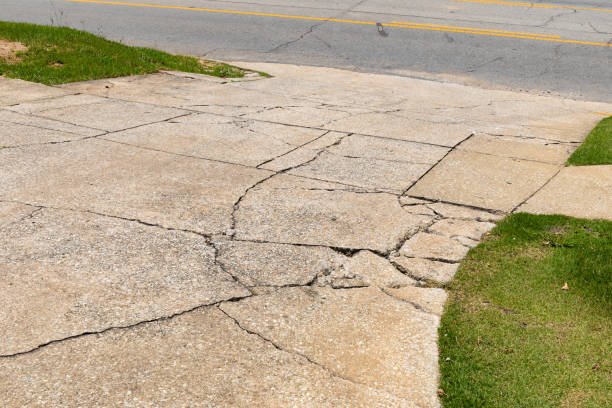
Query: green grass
x,y
597,147
58,55
513,336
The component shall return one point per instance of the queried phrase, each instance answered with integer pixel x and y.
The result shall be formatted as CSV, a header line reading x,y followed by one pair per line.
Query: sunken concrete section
x,y
177,240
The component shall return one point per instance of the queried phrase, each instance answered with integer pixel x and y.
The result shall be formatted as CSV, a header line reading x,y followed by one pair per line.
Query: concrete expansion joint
x,y
538,190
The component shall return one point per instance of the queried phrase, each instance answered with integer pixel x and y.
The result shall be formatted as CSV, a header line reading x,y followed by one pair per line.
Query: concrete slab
x,y
360,334
373,174
16,91
303,154
520,148
481,180
193,93
401,128
337,218
67,131
299,115
195,358
219,138
368,147
123,115
263,264
124,181
580,191
68,272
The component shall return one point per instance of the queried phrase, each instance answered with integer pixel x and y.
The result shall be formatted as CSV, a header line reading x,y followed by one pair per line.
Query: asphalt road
x,y
562,46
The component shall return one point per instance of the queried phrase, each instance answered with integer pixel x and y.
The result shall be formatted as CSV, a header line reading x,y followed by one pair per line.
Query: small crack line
x,y
405,192
294,149
538,190
411,303
47,128
294,352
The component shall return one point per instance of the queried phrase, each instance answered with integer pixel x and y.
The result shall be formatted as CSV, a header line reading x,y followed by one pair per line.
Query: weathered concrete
x,y
198,359
68,272
576,191
125,181
369,337
483,180
179,240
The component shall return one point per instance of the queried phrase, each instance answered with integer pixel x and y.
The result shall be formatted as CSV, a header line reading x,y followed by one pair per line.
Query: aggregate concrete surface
x,y
175,240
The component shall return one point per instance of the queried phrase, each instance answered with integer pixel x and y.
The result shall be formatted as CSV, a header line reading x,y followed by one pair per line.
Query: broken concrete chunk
x,y
433,246
463,228
376,271
426,269
263,264
336,218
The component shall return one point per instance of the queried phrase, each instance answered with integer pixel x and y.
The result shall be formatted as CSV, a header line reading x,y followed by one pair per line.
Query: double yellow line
x,y
533,5
417,26
477,31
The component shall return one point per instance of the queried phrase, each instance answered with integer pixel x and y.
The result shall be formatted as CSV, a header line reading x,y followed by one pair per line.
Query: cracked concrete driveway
x,y
181,241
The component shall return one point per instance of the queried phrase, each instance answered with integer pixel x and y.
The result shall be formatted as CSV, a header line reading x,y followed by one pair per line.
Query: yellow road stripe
x,y
534,5
603,113
250,13
475,29
335,20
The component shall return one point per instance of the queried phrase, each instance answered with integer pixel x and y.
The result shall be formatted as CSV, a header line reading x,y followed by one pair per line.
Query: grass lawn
x,y
597,147
512,336
58,55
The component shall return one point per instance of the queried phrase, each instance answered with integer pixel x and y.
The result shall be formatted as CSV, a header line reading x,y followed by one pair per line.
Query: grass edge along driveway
x,y
57,55
596,148
529,317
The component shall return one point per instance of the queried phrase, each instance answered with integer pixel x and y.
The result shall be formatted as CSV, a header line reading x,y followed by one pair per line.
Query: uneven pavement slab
x,y
582,191
178,240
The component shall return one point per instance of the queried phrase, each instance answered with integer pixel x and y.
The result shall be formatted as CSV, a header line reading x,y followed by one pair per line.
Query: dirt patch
x,y
9,50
